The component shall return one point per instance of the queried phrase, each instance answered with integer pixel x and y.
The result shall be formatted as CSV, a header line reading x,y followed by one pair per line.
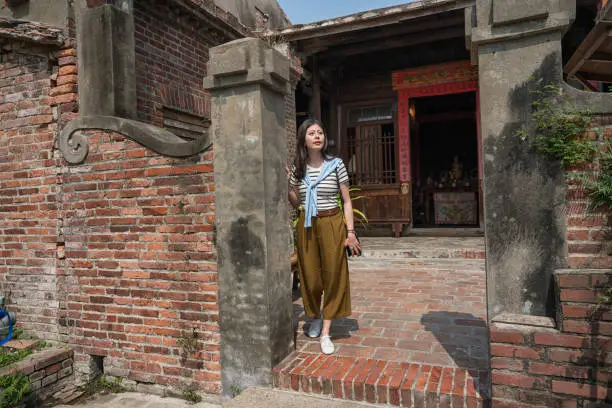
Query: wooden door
x,y
373,167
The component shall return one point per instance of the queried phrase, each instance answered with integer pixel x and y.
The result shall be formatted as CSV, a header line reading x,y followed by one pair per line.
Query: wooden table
x,y
429,197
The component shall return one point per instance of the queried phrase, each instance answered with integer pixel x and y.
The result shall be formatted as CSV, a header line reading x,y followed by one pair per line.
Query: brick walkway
x,y
418,328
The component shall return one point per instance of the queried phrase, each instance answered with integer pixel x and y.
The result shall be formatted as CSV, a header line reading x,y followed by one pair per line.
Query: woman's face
x,y
315,138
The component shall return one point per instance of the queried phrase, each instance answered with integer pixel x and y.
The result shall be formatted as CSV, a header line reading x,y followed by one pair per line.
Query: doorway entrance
x,y
444,161
439,144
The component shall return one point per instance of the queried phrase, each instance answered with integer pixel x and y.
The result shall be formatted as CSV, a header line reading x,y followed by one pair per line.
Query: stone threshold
x,y
435,253
383,382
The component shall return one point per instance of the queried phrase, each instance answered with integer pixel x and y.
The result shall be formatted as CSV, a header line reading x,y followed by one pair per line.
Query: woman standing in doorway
x,y
322,234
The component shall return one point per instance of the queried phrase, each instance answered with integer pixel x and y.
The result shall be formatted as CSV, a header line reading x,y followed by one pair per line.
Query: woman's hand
x,y
352,244
293,193
288,171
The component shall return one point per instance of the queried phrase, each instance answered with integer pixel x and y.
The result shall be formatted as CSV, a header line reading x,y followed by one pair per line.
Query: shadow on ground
x,y
341,328
464,337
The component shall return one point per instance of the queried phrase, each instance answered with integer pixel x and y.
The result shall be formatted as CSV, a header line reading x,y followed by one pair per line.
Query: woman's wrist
x,y
350,231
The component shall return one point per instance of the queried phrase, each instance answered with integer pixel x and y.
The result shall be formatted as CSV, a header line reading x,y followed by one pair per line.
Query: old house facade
x,y
115,239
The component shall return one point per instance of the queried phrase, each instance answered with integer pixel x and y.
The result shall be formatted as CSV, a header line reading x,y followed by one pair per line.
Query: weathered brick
x,y
50,379
558,339
554,370
574,281
503,336
37,375
518,380
576,311
507,364
506,350
580,389
52,369
578,295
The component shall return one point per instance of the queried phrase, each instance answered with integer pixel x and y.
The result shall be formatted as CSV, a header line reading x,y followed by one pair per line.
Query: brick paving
x,y
417,333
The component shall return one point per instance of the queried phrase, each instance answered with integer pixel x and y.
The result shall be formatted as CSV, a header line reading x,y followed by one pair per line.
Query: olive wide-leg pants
x,y
323,266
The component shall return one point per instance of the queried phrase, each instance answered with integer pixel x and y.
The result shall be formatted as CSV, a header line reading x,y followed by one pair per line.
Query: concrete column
x,y
248,81
315,109
516,43
107,61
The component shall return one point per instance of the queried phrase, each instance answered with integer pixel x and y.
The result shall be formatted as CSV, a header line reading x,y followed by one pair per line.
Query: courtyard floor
x,y
419,310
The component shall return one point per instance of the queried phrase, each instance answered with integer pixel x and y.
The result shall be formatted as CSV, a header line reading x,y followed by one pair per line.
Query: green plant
x,y
18,333
7,357
113,385
606,297
191,395
359,216
15,388
235,390
599,185
562,134
188,341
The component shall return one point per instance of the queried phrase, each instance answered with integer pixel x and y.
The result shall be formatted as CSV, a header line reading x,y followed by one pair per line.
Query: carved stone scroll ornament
x,y
75,146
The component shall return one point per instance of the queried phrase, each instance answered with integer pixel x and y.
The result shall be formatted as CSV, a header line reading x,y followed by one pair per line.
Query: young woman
x,y
322,234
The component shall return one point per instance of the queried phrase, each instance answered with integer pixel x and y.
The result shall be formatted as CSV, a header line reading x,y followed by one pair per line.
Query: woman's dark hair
x,y
301,152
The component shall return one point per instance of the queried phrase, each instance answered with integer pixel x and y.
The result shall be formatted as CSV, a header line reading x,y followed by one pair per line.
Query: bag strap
x,y
4,313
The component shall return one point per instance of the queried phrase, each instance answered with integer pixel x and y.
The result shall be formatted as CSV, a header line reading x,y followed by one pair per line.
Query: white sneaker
x,y
316,325
327,347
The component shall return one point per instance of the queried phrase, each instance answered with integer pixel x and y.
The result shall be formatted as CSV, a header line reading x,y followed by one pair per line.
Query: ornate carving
x,y
404,135
75,146
453,72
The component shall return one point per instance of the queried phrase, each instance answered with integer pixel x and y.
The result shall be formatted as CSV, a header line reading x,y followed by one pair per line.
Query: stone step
x,y
382,382
430,253
275,398
424,247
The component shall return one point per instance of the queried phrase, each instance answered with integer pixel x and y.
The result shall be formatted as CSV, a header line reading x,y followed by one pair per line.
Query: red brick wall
x,y
141,263
114,256
171,57
569,367
35,90
589,233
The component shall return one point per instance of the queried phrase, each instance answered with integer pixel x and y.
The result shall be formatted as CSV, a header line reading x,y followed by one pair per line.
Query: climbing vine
x,y
569,137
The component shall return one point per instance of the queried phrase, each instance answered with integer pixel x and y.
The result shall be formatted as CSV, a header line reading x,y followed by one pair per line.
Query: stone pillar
x,y
107,61
515,43
248,81
290,124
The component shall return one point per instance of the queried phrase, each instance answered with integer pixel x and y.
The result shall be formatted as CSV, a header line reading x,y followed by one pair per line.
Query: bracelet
x,y
349,231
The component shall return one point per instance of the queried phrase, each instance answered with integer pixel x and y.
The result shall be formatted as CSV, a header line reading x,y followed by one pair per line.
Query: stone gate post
x,y
248,81
516,44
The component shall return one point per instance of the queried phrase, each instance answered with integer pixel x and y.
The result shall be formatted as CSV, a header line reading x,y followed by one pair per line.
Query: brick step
x,y
383,382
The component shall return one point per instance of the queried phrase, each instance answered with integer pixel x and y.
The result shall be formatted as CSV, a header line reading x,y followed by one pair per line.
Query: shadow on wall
x,y
464,338
525,202
597,358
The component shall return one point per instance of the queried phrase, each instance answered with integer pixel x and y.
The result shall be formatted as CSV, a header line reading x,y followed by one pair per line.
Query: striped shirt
x,y
328,188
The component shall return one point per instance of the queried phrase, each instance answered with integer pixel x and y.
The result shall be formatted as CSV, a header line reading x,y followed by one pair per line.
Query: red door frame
x,y
443,79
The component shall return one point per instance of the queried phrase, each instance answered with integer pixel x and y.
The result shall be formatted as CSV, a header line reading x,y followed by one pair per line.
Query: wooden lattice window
x,y
371,145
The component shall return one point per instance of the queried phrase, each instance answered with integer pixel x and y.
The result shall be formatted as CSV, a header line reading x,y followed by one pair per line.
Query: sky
x,y
307,11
